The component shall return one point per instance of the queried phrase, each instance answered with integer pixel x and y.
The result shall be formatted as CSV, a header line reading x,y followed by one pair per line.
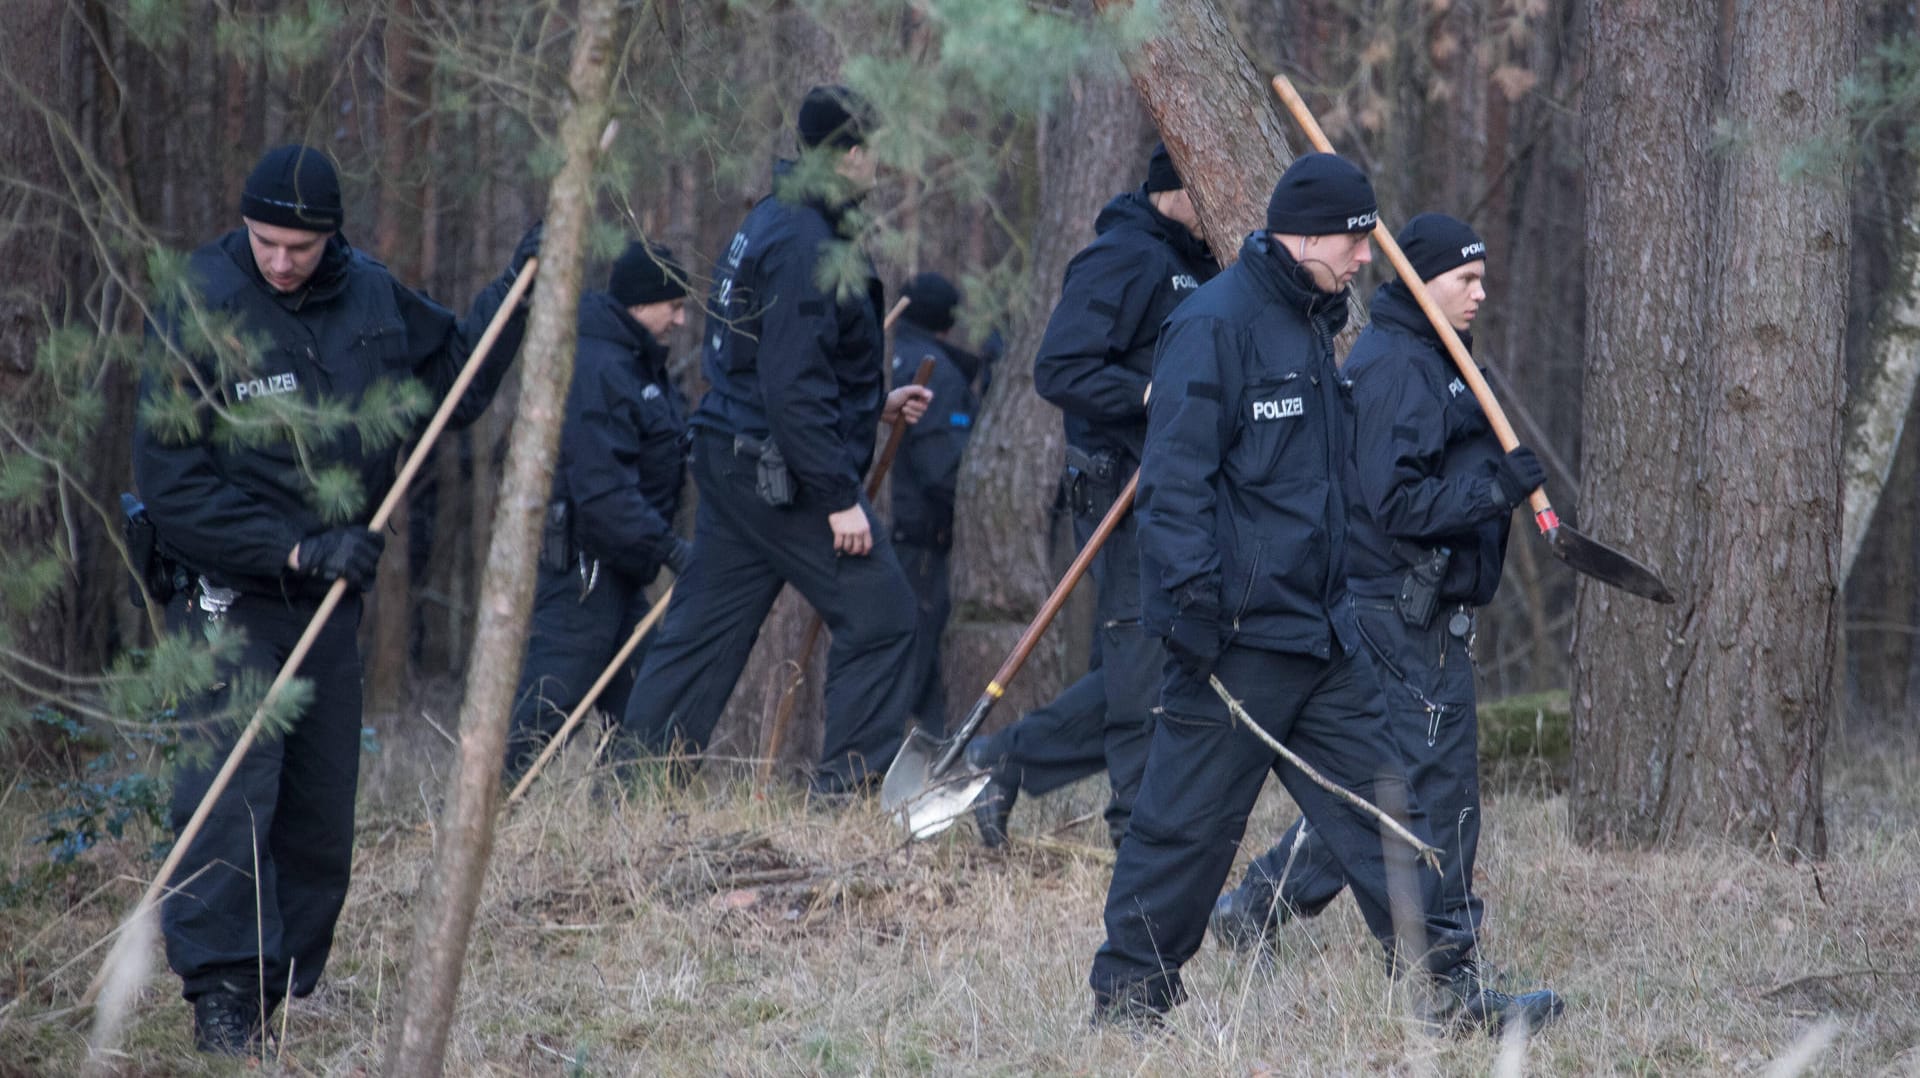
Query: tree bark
x,y
398,241
1217,116
32,279
1004,560
1705,446
1880,408
448,901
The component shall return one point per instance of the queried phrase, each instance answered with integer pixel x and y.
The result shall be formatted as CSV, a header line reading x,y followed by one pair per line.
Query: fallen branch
x,y
1428,854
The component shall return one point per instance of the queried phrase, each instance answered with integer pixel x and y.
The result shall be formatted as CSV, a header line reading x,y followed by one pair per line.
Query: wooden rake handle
x,y
1543,515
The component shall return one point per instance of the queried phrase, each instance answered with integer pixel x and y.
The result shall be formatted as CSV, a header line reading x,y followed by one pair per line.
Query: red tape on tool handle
x,y
1548,520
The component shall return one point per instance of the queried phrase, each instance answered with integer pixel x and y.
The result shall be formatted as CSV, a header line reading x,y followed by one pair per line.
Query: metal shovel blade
x,y
1607,565
925,803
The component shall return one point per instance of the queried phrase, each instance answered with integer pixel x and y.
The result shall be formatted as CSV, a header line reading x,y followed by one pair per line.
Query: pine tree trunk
x,y
1217,116
1004,562
465,837
398,242
1714,384
31,278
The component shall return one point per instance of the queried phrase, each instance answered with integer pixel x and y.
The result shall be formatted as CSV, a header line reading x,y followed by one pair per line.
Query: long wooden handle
x,y
1038,626
335,593
783,712
600,684
1543,514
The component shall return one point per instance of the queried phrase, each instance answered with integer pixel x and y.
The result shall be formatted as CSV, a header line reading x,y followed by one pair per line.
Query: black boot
x,y
1244,920
995,804
1465,1000
226,1023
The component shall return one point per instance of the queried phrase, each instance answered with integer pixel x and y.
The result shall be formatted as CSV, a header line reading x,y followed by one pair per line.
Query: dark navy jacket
x,y
232,508
1249,451
789,354
1425,459
622,451
927,471
1097,355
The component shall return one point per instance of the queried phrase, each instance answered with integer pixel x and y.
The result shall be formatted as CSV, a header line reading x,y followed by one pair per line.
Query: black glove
x,y
1194,639
680,557
528,248
1516,476
350,554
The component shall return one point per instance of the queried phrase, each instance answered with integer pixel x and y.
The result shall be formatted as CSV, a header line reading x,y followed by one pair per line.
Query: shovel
x,y
924,788
1582,554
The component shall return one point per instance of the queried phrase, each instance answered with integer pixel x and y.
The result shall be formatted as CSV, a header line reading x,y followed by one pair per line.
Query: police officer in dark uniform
x,y
927,472
1427,534
609,526
1094,364
235,501
781,444
1244,496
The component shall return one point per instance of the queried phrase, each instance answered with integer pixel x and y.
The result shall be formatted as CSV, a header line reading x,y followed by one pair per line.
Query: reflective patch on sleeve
x,y
1204,390
960,419
1103,308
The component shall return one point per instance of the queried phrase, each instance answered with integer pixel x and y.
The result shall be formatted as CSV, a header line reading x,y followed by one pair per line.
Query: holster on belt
x,y
772,480
1092,481
1419,593
556,536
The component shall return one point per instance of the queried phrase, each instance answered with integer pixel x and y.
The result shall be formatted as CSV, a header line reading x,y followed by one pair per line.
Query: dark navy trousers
x,y
1203,775
744,551
1428,678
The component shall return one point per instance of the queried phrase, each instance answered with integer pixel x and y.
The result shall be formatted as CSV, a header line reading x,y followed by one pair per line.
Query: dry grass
x,y
707,931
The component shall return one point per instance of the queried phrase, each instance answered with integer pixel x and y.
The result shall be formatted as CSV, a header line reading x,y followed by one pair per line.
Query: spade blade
x,y
1607,565
926,803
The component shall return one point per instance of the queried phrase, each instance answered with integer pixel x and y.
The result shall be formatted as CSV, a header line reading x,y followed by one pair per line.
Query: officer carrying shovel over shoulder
x,y
1427,533
1243,542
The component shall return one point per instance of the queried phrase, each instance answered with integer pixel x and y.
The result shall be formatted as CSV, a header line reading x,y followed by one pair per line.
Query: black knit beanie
x,y
1161,175
1322,194
293,187
1435,243
836,116
646,273
931,299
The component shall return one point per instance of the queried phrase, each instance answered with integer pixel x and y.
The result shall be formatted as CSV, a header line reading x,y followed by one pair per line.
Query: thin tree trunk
x,y
1706,447
448,901
398,241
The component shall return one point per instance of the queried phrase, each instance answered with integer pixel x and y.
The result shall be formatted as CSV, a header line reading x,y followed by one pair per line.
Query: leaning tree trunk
x,y
1003,565
1712,430
1880,409
1216,115
448,900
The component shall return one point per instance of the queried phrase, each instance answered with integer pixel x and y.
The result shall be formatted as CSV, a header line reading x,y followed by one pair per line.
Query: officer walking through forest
x,y
609,526
782,441
927,473
1243,494
1427,532
258,522
1094,364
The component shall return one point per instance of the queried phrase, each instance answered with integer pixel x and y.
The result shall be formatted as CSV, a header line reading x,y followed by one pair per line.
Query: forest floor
x,y
712,931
